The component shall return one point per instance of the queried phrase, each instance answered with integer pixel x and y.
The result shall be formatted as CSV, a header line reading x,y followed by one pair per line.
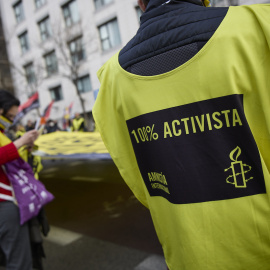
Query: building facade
x,y
56,47
5,75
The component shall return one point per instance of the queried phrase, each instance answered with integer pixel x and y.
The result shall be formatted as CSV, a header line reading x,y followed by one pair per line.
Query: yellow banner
x,y
72,145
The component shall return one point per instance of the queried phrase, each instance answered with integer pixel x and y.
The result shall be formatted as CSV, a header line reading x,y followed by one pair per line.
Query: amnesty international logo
x,y
239,170
192,139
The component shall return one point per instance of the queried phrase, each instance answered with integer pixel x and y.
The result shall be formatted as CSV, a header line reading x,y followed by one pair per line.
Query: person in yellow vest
x,y
184,110
40,223
77,123
14,238
25,153
20,130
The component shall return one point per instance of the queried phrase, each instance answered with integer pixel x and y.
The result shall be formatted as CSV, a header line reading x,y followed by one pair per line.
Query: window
x,y
100,3
109,35
139,13
51,63
56,93
18,10
23,38
71,13
77,51
40,3
84,84
45,29
29,73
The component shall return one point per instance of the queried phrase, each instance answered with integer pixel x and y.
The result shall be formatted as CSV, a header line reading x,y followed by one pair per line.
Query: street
x,y
96,222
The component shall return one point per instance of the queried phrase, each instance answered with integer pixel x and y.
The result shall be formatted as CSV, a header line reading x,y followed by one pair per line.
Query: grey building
x,y
5,75
57,46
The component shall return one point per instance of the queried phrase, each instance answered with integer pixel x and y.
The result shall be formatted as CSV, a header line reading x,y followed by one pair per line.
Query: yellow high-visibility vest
x,y
24,154
76,123
193,145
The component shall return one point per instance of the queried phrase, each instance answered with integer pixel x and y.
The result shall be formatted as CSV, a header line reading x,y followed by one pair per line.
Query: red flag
x,y
33,100
46,113
30,104
47,110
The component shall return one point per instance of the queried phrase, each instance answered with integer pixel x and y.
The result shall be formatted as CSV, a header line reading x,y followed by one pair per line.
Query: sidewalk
x,y
66,250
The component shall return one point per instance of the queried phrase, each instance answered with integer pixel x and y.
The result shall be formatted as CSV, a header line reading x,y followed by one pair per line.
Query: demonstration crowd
x,y
183,110
76,124
21,227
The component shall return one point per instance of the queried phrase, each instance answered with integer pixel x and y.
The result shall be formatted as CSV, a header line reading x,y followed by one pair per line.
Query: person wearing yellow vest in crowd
x,y
184,110
26,154
77,123
20,130
14,238
41,221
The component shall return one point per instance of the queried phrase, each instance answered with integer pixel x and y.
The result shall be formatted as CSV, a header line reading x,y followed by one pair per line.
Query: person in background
x,y
69,125
184,110
51,126
14,238
39,224
29,125
26,154
78,123
20,130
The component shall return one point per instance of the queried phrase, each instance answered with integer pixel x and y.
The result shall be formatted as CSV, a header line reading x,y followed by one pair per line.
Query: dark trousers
x,y
14,238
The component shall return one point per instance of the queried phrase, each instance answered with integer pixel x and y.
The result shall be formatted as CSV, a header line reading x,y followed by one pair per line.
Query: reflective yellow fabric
x,y
5,122
228,234
19,133
23,152
36,163
4,140
207,3
76,123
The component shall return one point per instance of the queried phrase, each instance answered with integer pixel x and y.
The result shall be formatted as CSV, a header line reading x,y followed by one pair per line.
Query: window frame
x,y
101,3
80,79
109,36
45,35
19,16
78,55
53,67
30,76
41,3
24,42
67,13
60,93
139,13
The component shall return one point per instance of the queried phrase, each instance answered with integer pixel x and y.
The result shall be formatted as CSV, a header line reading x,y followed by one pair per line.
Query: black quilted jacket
x,y
169,35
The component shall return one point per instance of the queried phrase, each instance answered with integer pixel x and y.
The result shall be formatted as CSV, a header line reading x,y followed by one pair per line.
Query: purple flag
x,y
30,193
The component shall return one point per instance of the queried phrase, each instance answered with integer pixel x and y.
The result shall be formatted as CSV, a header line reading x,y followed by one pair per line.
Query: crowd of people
x,y
76,124
183,109
21,244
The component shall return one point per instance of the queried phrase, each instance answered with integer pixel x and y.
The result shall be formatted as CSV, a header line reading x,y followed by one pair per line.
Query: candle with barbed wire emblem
x,y
238,176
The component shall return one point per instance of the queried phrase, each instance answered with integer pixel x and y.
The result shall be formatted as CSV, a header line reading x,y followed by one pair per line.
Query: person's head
x,y
8,105
20,127
29,123
77,115
143,4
